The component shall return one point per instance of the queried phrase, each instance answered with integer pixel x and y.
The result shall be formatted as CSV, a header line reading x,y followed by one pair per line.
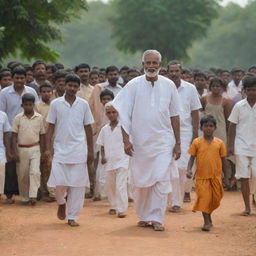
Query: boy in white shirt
x,y
242,140
115,162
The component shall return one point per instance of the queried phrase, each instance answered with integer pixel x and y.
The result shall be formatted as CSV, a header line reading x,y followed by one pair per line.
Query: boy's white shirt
x,y
244,116
112,141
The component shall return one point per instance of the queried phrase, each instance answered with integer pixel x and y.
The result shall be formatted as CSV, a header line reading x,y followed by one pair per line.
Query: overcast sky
x,y
241,2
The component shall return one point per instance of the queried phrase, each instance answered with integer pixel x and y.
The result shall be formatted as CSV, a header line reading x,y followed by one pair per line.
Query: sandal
x,y
175,209
73,223
143,224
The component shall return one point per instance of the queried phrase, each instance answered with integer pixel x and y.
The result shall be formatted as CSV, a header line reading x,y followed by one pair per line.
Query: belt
x,y
29,145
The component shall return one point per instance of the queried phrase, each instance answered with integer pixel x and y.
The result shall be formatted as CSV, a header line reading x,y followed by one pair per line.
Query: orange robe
x,y
208,176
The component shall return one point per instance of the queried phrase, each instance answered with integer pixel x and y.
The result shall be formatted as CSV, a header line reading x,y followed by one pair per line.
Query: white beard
x,y
151,74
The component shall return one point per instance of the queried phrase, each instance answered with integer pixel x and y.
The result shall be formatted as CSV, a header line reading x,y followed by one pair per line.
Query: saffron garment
x,y
208,177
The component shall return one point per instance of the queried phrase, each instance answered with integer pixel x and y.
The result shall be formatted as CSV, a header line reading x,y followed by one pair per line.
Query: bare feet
x,y
187,198
157,226
121,215
175,209
61,213
73,223
32,201
207,227
112,212
246,213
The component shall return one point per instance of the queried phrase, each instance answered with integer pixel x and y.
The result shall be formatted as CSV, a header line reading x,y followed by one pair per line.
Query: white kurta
x,y
145,112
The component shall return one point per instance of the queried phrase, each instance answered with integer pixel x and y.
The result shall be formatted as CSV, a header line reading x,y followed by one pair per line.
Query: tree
x,y
230,41
169,26
28,25
89,40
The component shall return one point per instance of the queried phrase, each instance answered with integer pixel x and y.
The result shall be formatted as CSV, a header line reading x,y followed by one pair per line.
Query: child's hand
x,y
189,174
103,160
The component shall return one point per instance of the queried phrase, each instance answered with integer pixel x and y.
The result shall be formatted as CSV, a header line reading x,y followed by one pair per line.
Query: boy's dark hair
x,y
72,78
174,62
28,67
125,68
224,71
38,62
5,74
111,69
28,97
82,65
93,72
200,74
234,70
19,71
46,84
52,67
186,71
13,64
59,66
249,81
131,70
59,74
102,70
251,68
217,80
106,92
206,119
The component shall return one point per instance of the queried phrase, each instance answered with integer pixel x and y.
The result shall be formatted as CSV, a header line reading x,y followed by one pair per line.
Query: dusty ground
x,y
35,231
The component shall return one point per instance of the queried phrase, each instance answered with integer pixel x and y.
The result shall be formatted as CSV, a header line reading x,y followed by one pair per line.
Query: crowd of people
x,y
144,135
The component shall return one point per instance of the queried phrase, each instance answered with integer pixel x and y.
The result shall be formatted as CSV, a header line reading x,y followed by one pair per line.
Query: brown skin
x,y
70,96
40,73
29,77
151,64
83,73
19,82
7,144
208,130
215,97
112,115
28,107
132,75
93,79
237,77
60,86
5,81
201,84
251,98
226,77
113,77
46,94
102,77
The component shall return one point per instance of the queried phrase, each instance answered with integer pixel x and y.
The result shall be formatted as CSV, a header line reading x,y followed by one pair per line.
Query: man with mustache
x,y
39,73
189,124
148,107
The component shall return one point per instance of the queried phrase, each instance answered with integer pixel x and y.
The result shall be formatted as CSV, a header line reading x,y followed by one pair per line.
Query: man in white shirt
x,y
10,103
149,109
242,140
234,89
70,119
189,124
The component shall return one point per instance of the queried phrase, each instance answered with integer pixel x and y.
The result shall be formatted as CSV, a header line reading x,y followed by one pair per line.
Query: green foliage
x,y
28,25
89,40
230,41
169,26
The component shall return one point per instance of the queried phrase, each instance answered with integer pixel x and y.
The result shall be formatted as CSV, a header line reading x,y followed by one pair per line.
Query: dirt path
x,y
35,231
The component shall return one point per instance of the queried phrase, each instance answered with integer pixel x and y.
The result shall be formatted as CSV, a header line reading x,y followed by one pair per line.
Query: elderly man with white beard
x,y
149,109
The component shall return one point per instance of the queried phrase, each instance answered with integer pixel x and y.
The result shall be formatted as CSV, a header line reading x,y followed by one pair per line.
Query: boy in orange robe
x,y
210,153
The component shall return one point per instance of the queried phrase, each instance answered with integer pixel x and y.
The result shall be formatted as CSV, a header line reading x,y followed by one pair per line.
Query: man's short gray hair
x,y
147,52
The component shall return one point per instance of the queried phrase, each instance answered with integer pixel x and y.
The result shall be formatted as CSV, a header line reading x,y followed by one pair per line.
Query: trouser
x,y
116,189
178,188
2,177
28,171
151,202
75,199
45,169
11,183
100,180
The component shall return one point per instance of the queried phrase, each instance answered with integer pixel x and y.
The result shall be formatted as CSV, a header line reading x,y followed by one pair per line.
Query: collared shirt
x,y
10,101
115,89
28,129
244,116
4,127
112,141
43,108
233,90
189,101
85,91
70,144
